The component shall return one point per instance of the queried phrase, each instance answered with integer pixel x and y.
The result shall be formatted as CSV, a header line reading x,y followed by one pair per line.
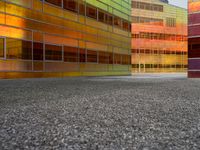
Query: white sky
x,y
180,3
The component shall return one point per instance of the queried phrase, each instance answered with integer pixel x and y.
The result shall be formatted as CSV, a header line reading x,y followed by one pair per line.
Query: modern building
x,y
49,38
194,39
159,37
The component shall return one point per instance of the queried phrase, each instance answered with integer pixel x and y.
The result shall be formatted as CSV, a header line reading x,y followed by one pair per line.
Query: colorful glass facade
x,y
159,37
47,38
194,39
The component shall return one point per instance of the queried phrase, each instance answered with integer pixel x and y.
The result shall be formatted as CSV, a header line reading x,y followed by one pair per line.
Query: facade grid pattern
x,y
194,39
47,38
159,37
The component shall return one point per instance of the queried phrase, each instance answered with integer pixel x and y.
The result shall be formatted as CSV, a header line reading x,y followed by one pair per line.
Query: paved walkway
x,y
160,75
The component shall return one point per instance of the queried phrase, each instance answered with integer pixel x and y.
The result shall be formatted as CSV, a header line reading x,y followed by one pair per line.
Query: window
x,y
18,49
125,25
101,16
91,12
1,47
126,59
147,6
142,5
109,19
171,22
110,55
81,8
103,58
134,4
53,52
117,21
117,59
147,21
135,19
55,2
38,51
70,54
91,56
196,47
71,5
82,55
159,36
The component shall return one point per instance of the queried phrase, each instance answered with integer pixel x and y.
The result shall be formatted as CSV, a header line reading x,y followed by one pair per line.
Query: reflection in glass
x,y
71,5
55,2
117,59
92,56
18,49
91,12
103,57
37,51
82,55
53,52
70,54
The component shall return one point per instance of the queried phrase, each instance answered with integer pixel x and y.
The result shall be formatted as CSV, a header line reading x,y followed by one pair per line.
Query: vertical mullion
x,y
4,48
62,4
44,66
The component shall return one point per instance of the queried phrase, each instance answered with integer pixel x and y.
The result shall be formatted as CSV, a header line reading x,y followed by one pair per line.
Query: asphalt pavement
x,y
100,113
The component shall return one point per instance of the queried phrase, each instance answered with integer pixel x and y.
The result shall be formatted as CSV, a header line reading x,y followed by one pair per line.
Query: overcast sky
x,y
181,3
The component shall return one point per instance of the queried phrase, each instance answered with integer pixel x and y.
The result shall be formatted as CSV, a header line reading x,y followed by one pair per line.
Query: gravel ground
x,y
100,113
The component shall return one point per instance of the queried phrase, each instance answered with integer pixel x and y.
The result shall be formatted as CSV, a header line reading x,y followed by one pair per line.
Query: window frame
x,y
4,47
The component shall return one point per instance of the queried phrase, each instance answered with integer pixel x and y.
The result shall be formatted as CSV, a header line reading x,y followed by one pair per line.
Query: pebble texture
x,y
100,113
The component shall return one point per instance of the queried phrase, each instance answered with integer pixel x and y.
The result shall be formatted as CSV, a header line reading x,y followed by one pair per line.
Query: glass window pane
x,y
117,59
1,47
126,59
53,52
117,22
71,5
91,12
125,25
18,49
82,55
55,2
109,19
81,8
103,57
101,16
70,54
37,51
110,58
92,56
